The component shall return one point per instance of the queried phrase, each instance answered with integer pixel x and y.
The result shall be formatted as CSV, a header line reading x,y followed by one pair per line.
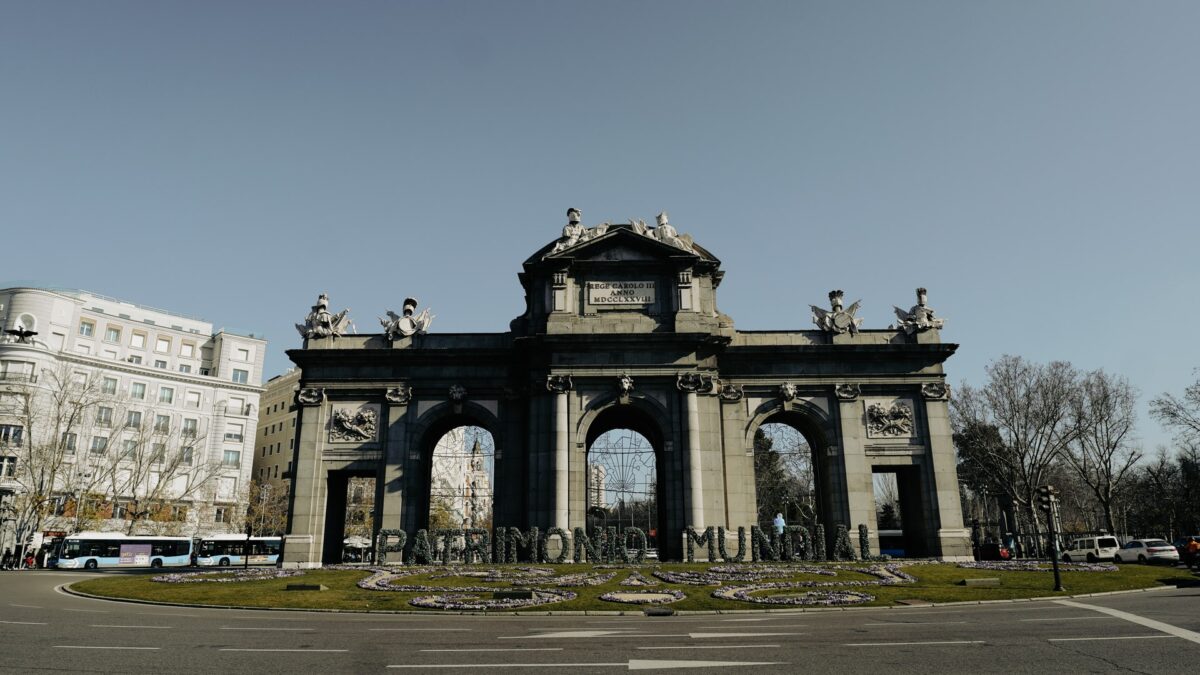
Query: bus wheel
x,y
224,562
156,563
91,565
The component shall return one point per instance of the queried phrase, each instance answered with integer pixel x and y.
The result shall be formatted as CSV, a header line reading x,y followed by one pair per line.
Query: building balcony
x,y
30,378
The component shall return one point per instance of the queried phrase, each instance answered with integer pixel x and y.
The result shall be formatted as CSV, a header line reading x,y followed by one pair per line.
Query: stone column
x,y
690,384
858,501
560,385
953,538
394,456
302,545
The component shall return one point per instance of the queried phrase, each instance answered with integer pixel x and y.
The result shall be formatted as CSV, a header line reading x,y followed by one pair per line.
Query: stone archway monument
x,y
622,328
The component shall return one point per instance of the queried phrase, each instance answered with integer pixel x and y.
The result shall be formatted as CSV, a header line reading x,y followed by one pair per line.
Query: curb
x,y
66,588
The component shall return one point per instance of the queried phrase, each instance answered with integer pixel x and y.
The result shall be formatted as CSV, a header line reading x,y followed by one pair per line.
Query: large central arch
x,y
634,419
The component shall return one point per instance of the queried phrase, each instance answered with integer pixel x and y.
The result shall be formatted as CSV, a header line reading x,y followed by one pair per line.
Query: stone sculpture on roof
x,y
575,233
396,327
919,318
321,323
837,320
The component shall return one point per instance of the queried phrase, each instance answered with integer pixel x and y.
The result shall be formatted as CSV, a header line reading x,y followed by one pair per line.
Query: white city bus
x,y
227,549
90,550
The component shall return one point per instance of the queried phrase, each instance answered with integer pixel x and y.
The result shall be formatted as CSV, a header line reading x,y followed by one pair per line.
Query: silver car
x,y
1147,551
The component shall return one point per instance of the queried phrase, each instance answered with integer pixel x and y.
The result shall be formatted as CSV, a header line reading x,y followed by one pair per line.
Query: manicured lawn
x,y
935,583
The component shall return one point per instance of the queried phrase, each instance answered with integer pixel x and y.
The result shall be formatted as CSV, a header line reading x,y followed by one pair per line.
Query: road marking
x,y
499,649
566,634
903,644
738,620
13,604
1072,618
439,630
1167,628
292,629
165,614
712,647
93,611
102,647
1118,637
105,625
26,623
914,623
289,651
701,636
633,664
771,627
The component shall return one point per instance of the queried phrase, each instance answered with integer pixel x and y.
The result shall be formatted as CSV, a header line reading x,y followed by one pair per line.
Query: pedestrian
x,y
778,523
6,561
1193,548
29,560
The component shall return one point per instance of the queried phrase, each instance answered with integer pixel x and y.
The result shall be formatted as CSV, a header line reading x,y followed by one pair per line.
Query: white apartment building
x,y
127,409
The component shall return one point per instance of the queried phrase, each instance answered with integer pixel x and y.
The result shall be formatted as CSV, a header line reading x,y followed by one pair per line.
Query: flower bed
x,y
807,598
467,601
657,597
226,577
636,578
1036,566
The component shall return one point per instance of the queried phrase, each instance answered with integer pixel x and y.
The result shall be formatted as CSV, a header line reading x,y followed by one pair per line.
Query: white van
x,y
1091,549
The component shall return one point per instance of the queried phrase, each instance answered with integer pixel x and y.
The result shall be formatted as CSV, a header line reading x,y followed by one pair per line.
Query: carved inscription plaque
x,y
620,292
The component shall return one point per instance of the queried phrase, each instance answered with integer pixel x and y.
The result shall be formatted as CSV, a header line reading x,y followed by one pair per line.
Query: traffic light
x,y
1045,497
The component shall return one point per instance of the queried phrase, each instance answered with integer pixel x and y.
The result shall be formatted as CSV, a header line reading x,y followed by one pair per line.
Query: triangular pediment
x,y
621,242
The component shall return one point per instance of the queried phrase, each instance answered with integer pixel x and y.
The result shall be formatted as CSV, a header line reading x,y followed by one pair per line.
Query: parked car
x,y
1181,545
1092,549
1147,551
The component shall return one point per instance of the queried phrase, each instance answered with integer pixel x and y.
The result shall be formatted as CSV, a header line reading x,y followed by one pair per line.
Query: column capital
x,y
694,382
559,384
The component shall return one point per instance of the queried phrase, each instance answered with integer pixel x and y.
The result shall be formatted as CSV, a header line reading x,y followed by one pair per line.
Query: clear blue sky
x,y
1033,164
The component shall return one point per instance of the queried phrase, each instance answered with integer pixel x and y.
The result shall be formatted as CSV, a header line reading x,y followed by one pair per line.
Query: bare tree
x,y
267,511
156,464
1180,414
1029,406
1102,452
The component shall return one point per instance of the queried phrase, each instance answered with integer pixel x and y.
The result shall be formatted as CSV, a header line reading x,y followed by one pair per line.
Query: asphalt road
x,y
45,630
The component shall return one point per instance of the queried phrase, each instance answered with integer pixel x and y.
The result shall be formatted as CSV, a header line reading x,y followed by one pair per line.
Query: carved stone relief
x,y
310,396
846,392
694,382
399,395
624,384
458,393
354,426
730,392
935,391
559,384
894,420
787,391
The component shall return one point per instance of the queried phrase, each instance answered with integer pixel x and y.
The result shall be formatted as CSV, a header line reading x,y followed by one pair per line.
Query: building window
x,y
99,445
236,406
8,467
137,390
243,354
104,416
187,350
134,420
128,448
162,424
241,376
158,363
276,471
179,513
135,360
205,371
166,395
110,354
69,442
187,455
11,434
189,427
162,345
158,452
87,328
137,340
192,400
109,386
221,515
120,510
232,458
112,334
233,432
183,368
